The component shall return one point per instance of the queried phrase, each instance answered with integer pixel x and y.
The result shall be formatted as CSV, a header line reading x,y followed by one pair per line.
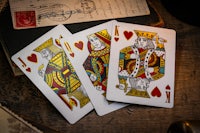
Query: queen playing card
x,y
89,52
142,65
45,63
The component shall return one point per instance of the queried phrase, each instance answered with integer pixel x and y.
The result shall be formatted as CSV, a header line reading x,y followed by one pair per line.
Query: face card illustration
x,y
142,65
45,63
89,52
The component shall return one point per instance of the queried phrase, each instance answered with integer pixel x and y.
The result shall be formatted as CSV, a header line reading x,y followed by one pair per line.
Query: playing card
x,y
88,51
45,63
142,65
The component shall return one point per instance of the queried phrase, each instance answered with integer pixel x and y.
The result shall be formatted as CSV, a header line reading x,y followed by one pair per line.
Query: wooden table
x,y
22,97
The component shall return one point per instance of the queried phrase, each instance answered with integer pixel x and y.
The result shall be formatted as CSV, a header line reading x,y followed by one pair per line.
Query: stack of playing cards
x,y
105,67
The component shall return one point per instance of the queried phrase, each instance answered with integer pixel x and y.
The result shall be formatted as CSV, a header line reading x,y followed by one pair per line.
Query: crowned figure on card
x,y
96,65
141,63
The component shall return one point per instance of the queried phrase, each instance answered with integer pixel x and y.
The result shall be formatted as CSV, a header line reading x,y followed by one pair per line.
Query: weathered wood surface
x,y
22,97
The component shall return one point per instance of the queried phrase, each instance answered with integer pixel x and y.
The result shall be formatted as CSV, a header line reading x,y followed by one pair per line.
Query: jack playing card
x,y
45,63
89,52
142,65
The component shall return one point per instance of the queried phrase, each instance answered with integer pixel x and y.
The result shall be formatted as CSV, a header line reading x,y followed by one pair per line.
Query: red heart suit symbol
x,y
128,34
79,45
116,39
168,87
156,92
71,54
32,58
28,69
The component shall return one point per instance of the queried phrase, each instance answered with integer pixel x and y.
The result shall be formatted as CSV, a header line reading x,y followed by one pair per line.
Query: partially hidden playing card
x,y
45,63
89,52
142,65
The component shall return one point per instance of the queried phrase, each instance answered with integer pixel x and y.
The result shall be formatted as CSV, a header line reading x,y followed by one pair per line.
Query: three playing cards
x,y
105,68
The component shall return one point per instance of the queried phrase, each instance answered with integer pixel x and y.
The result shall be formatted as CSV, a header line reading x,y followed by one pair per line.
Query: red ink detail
x,y
116,39
23,64
79,45
32,58
167,87
156,92
168,97
25,19
72,54
58,42
28,69
128,34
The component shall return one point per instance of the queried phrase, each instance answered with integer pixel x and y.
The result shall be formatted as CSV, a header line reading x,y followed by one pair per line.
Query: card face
x,y
88,52
45,63
142,65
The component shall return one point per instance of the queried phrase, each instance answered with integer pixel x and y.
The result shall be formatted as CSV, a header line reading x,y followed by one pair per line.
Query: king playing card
x,y
142,65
